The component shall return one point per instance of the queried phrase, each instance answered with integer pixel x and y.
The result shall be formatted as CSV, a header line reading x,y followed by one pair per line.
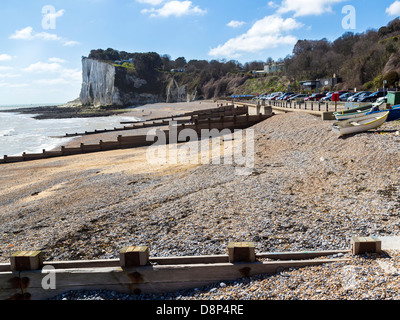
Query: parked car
x,y
298,96
274,95
382,99
328,97
315,97
288,97
358,96
373,97
345,96
282,97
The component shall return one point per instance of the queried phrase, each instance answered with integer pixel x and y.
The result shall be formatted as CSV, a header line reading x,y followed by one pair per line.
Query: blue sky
x,y
42,42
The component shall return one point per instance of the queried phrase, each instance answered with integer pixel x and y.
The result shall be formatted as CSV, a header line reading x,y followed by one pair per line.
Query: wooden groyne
x,y
123,142
186,118
28,277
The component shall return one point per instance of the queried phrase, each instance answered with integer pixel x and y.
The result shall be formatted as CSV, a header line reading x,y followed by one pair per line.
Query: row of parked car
x,y
346,96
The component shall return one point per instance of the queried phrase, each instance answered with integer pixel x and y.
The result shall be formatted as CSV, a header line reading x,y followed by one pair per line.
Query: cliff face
x,y
106,85
178,93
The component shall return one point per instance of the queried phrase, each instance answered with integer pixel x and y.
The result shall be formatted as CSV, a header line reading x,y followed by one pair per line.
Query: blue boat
x,y
394,113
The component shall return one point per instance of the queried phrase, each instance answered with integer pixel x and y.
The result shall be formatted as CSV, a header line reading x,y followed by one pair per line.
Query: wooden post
x,y
241,252
26,260
131,257
360,245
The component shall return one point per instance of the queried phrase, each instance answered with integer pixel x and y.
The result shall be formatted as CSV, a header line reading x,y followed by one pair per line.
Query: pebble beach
x,y
309,190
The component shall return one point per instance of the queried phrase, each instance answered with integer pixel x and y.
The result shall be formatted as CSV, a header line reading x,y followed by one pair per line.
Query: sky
x,y
42,42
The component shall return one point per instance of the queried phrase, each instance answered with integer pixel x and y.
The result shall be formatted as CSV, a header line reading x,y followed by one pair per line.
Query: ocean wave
x,y
7,132
21,133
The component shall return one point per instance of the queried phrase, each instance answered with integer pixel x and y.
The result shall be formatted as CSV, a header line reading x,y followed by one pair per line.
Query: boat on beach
x,y
355,112
394,113
360,124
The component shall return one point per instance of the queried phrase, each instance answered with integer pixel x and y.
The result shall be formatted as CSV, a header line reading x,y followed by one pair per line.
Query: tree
x,y
180,63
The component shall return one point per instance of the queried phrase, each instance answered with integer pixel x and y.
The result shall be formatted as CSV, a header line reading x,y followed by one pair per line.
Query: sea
x,y
22,133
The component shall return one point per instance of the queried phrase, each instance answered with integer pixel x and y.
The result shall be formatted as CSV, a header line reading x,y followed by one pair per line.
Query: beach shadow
x,y
382,131
367,132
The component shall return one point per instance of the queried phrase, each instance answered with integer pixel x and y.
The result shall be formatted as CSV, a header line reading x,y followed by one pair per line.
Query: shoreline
x,y
67,111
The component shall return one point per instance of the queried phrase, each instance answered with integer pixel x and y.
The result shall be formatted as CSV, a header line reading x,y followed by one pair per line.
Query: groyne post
x,y
134,256
241,252
360,245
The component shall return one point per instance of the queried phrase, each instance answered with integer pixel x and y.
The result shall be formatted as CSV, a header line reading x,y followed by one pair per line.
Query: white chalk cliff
x,y
106,85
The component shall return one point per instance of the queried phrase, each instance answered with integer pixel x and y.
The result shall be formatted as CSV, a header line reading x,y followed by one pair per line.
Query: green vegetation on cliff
x,y
362,60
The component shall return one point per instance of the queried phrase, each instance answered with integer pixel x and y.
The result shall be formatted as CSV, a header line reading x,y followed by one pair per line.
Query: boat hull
x,y
355,112
341,117
394,113
361,124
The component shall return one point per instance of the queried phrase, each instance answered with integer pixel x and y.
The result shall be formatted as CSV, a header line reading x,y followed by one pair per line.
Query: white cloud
x,y
72,74
47,36
5,57
57,60
266,33
9,75
175,8
5,68
58,73
152,2
29,34
23,34
394,9
70,43
273,4
235,24
43,67
13,85
51,81
307,7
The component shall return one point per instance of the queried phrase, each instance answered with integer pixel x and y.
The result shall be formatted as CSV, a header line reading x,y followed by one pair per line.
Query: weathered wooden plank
x,y
190,260
299,255
155,279
5,267
206,259
109,263
9,285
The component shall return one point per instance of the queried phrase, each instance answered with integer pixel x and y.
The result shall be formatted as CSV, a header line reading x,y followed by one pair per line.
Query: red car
x,y
315,97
